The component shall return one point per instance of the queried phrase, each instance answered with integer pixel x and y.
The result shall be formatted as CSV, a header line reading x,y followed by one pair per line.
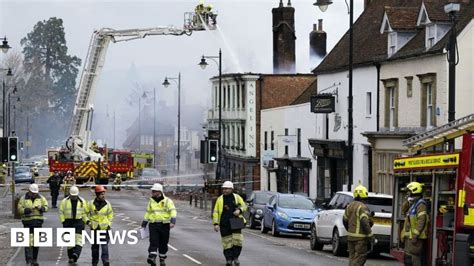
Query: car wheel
x,y
275,229
263,229
313,241
337,248
252,222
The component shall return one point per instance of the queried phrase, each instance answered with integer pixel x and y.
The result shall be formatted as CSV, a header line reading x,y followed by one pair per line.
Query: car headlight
x,y
259,211
283,215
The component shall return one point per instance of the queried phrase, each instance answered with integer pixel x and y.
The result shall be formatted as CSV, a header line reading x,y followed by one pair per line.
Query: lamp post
x,y
9,109
4,128
203,64
452,9
14,113
166,83
323,5
140,122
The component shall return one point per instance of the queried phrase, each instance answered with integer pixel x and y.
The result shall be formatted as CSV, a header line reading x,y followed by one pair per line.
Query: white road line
x,y
192,259
173,248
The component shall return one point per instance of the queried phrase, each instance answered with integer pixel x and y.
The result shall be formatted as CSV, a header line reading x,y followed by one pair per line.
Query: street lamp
x,y
166,83
452,9
9,93
323,5
203,64
5,47
140,122
14,113
4,124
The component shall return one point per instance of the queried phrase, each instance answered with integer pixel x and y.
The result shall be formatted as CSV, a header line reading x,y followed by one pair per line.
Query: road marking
x,y
192,259
173,248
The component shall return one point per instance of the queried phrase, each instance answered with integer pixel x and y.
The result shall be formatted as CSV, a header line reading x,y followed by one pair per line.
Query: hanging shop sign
x,y
323,104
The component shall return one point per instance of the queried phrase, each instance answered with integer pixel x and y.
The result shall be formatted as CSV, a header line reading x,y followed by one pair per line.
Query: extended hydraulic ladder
x,y
440,134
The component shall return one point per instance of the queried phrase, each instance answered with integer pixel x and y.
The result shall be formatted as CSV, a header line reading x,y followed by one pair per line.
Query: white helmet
x,y
157,187
34,188
74,191
228,184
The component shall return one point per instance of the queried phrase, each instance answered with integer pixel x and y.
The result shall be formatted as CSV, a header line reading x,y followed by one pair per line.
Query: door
x,y
324,220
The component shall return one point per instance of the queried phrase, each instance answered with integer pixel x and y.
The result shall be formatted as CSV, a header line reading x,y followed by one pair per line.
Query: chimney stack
x,y
317,42
284,39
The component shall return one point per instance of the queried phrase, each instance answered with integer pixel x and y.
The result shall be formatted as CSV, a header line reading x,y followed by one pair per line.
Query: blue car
x,y
288,213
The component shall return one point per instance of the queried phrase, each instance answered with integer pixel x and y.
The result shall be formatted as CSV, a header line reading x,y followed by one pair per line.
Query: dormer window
x,y
430,35
392,43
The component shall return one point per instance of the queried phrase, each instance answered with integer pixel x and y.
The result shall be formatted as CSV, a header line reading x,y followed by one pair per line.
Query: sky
x,y
244,35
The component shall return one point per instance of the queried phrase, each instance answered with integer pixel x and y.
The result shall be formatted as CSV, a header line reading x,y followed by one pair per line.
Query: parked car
x,y
288,213
23,175
146,179
327,226
256,201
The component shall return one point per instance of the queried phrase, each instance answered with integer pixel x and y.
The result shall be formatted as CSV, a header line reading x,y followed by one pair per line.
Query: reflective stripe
x,y
421,213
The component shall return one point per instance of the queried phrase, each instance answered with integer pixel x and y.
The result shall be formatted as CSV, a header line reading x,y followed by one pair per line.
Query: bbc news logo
x,y
66,237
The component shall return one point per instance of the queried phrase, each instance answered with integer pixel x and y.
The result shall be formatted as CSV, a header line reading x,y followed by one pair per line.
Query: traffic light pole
x,y
12,174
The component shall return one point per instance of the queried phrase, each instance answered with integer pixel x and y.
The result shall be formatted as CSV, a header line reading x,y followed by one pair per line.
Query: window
x,y
223,98
265,139
391,103
243,138
238,137
429,105
243,96
430,36
238,96
392,109
368,104
428,100
233,96
409,86
272,146
228,98
216,98
286,146
299,142
392,43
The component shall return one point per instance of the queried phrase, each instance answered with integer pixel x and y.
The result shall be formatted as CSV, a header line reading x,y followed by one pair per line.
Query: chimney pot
x,y
320,24
289,3
315,27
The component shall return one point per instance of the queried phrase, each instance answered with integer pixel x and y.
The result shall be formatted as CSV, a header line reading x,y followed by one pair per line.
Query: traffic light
x,y
13,147
4,149
213,151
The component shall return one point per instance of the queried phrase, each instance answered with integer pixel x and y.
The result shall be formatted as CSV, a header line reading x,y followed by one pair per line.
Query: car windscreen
x,y
19,170
262,198
379,204
296,203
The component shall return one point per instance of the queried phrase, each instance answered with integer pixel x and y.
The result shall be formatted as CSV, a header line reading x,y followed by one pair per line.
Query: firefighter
x,y
117,182
416,225
229,205
101,215
69,181
95,147
54,182
161,214
358,223
31,208
73,213
35,171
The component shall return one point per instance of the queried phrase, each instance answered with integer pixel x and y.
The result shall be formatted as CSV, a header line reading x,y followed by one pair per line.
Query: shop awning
x,y
329,148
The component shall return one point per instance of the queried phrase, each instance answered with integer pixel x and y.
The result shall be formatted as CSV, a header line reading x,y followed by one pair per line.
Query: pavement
x,y
192,242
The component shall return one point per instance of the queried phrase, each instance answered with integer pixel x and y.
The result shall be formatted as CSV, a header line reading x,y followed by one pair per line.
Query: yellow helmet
x,y
361,192
119,175
415,187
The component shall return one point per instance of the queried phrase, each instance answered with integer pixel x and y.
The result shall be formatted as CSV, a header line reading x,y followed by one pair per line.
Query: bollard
x,y
191,200
195,201
200,202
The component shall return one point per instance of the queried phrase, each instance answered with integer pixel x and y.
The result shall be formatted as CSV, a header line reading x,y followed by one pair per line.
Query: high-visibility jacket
x,y
358,221
416,222
219,208
33,205
101,219
65,209
162,212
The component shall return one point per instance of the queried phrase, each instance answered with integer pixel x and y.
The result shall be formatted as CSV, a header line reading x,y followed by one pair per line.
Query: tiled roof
x,y
371,47
402,18
305,97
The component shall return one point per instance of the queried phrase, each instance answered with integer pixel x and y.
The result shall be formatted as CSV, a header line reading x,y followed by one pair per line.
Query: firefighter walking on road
x,y
101,216
54,182
161,217
73,213
31,208
229,205
69,181
117,182
358,224
416,225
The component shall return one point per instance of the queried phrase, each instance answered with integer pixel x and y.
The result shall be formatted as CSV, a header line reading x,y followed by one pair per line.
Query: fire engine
x,y
77,156
448,187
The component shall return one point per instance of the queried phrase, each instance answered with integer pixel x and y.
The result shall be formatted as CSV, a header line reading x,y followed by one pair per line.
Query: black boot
x,y
162,262
151,260
228,263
